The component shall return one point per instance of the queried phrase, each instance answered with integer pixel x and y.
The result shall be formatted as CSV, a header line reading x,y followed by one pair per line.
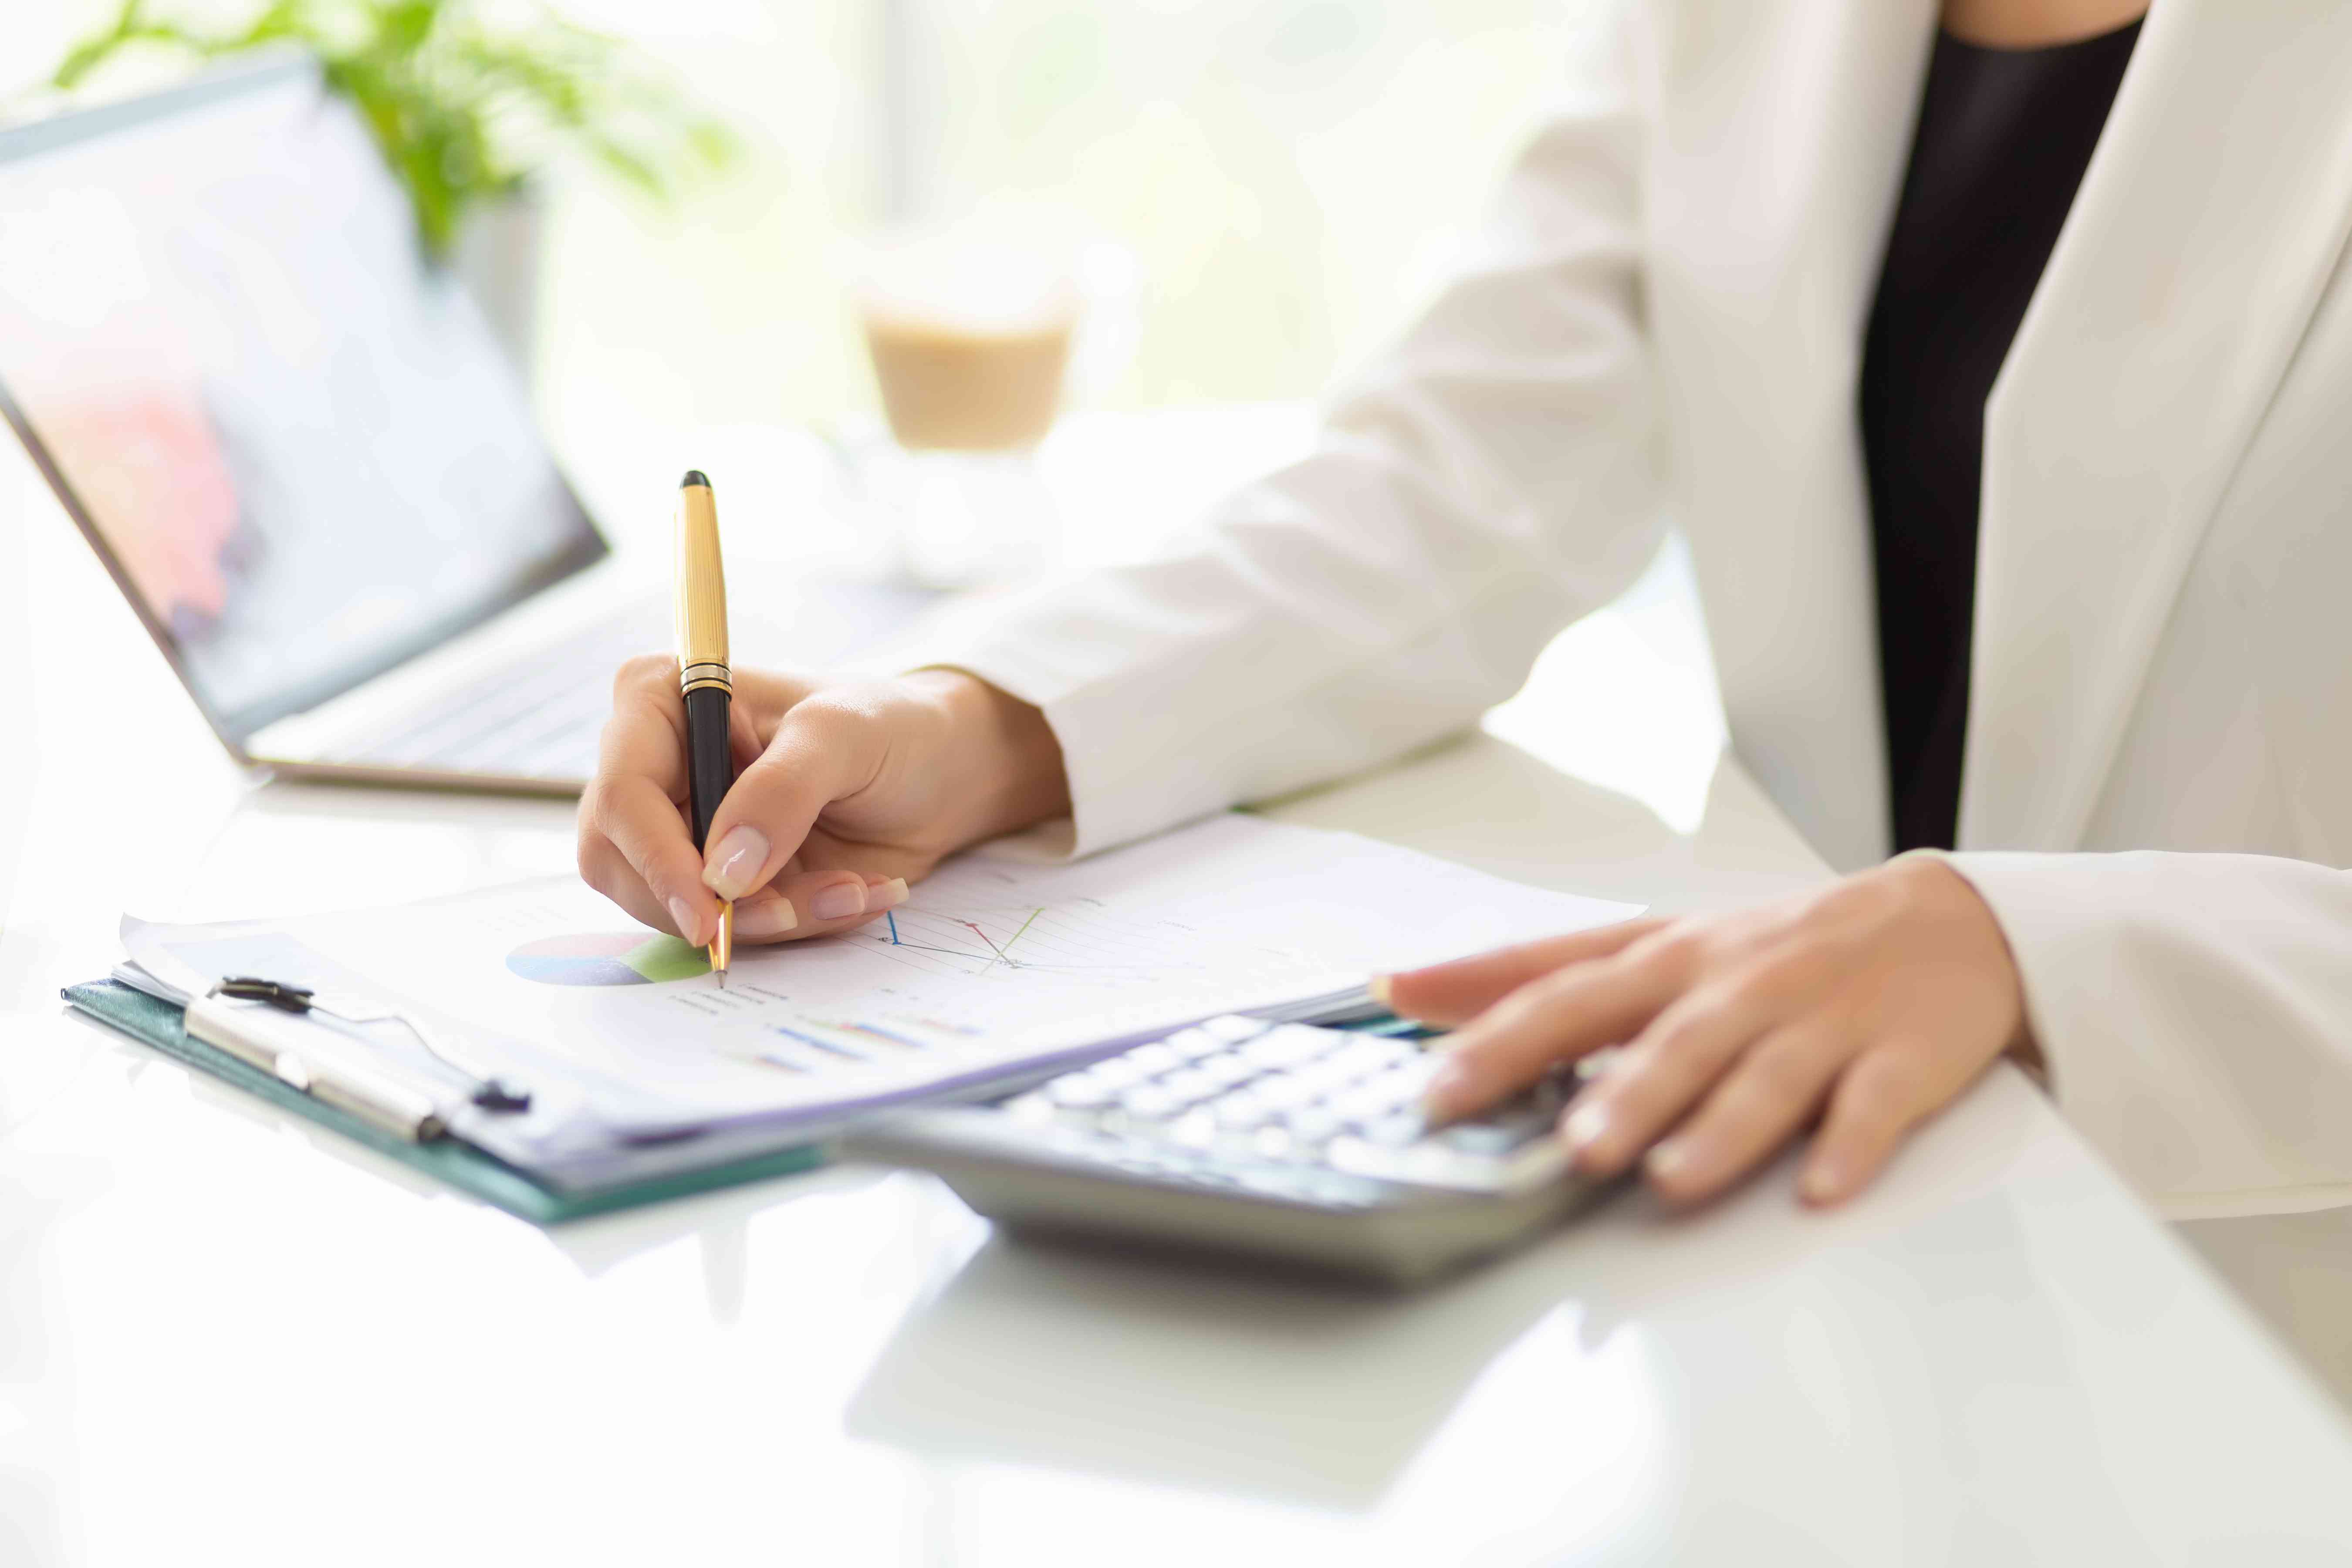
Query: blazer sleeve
x,y
2196,1014
1488,480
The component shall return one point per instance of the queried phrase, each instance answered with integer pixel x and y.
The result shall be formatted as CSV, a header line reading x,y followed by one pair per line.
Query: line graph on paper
x,y
1077,943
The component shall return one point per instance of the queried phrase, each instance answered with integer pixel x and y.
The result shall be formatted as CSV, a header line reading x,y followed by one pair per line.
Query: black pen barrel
x,y
709,760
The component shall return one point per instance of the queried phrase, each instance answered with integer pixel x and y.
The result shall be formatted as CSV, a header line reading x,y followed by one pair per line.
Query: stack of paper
x,y
997,969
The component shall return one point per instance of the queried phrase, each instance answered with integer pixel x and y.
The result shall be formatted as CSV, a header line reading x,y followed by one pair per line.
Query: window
x,y
1290,179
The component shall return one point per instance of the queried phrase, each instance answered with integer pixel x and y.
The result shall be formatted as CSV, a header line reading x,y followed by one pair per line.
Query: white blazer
x,y
1665,327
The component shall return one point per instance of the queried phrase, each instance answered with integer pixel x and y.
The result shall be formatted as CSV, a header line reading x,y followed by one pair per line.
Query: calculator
x,y
1285,1142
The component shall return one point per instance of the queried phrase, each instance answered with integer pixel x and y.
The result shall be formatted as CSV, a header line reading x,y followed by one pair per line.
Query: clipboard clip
x,y
489,1093
277,993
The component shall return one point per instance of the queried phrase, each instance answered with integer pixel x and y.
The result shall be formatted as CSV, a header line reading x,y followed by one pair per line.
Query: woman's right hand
x,y
846,792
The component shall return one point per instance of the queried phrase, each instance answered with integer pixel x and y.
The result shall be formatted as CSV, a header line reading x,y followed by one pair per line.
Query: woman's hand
x,y
847,792
1869,1005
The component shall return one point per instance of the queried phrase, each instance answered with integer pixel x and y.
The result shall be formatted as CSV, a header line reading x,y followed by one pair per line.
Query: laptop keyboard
x,y
539,716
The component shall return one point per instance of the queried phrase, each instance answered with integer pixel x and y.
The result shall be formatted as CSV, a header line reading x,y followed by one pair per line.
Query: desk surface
x,y
223,1327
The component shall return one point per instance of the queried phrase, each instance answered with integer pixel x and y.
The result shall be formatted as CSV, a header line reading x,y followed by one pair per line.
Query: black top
x,y
2002,140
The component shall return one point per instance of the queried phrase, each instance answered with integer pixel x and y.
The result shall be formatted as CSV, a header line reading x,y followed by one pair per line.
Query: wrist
x,y
1002,754
2001,959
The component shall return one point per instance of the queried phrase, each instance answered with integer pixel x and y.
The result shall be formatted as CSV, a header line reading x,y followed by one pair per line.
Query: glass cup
x,y
971,330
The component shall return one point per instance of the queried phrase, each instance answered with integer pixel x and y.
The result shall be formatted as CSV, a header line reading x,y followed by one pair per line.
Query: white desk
x,y
225,1335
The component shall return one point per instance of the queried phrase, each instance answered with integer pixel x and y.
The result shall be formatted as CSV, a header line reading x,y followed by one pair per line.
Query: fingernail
x,y
689,923
1821,1182
838,902
1586,1126
1444,1086
1667,1159
734,860
886,895
773,917
1378,986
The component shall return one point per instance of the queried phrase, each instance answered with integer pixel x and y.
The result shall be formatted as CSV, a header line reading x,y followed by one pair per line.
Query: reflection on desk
x,y
1743,1383
1178,1375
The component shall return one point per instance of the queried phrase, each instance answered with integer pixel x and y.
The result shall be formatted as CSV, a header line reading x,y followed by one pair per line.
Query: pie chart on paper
x,y
608,958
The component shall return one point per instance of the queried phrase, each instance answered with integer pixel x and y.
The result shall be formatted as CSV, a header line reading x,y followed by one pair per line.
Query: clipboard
x,y
160,1023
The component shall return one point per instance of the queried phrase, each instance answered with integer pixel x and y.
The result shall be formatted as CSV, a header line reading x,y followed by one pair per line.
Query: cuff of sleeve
x,y
2065,918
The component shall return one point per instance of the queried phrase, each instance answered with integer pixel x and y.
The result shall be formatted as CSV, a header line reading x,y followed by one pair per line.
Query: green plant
x,y
464,110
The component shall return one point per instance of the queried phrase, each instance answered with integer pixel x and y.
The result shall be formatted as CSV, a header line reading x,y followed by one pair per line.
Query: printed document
x,y
997,965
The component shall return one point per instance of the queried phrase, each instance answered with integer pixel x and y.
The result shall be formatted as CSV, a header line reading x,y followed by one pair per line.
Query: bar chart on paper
x,y
950,972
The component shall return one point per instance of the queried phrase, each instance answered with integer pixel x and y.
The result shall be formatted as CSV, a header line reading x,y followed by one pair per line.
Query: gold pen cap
x,y
701,590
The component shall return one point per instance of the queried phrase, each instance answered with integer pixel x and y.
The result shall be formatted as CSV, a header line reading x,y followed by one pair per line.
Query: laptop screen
x,y
300,449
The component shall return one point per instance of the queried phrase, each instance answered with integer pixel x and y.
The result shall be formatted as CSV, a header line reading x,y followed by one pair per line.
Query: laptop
x,y
305,458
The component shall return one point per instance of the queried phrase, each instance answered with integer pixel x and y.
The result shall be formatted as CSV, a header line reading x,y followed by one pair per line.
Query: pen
x,y
704,678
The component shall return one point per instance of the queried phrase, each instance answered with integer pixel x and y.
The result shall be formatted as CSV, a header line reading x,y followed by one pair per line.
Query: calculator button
x,y
1151,1061
1331,1073
1244,1112
1369,1100
1118,1073
1396,1131
1388,1048
1192,1086
1358,1059
1287,1091
1407,1081
1080,1091
1150,1103
1227,1071
1233,1027
1193,1130
1287,1047
1273,1143
1194,1044
1314,1123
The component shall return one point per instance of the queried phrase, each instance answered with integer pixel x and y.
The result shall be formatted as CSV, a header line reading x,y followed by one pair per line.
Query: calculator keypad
x,y
1235,1093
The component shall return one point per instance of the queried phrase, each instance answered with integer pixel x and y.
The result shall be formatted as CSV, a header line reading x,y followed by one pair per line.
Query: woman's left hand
x,y
1869,1005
